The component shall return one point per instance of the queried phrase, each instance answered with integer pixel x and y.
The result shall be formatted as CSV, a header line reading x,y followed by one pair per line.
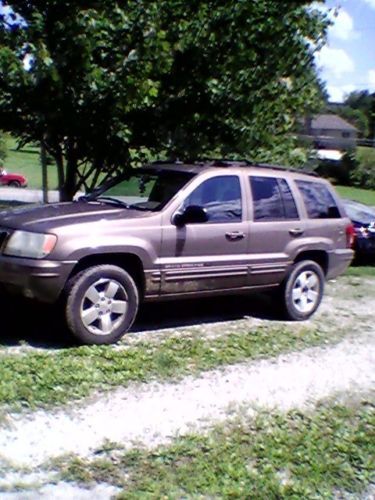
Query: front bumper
x,y
42,279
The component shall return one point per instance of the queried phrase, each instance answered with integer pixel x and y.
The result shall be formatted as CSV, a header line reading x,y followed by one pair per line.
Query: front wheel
x,y
302,291
101,304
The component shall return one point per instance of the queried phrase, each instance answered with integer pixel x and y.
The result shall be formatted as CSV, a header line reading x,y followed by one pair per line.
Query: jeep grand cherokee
x,y
173,230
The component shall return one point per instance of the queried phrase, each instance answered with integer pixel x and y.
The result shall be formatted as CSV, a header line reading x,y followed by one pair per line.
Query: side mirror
x,y
193,214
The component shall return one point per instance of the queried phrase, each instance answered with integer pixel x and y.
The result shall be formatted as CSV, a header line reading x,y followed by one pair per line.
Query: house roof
x,y
331,122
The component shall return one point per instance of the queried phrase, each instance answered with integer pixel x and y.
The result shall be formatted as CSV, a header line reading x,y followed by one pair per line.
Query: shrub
x,y
338,171
363,175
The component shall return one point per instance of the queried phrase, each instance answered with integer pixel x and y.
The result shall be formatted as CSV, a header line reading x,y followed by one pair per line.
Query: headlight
x,y
31,245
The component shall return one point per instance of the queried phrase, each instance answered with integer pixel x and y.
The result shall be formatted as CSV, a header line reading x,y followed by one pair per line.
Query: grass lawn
x,y
26,161
365,196
366,154
361,271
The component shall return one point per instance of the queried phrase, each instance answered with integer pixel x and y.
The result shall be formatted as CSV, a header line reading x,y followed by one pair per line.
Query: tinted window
x,y
221,197
319,202
288,200
272,199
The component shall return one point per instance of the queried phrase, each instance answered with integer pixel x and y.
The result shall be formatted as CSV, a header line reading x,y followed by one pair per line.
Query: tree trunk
x,y
60,170
70,184
43,161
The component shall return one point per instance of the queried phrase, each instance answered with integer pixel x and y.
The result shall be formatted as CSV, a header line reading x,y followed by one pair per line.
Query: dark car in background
x,y
363,219
13,180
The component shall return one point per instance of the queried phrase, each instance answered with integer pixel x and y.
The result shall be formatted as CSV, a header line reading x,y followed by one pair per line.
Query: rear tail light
x,y
365,232
350,236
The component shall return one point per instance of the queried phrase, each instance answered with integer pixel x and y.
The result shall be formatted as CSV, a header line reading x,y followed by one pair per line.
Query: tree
x,y
102,84
362,104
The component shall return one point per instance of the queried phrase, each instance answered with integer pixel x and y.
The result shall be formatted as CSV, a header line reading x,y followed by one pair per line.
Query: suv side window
x,y
221,198
272,199
319,202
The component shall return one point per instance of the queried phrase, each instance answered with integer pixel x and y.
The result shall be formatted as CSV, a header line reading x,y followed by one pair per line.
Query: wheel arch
x,y
129,262
318,256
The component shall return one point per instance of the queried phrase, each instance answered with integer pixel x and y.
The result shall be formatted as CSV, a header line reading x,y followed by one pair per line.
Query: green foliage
x,y
357,168
357,117
363,174
295,455
338,171
363,102
108,85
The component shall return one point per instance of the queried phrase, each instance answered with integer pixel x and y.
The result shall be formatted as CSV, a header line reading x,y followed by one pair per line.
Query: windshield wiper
x,y
110,200
137,207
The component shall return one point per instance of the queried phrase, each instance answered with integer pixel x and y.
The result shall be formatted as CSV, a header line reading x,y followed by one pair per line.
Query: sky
x,y
347,62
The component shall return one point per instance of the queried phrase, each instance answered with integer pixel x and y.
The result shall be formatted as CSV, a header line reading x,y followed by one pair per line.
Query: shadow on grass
x,y
32,151
43,326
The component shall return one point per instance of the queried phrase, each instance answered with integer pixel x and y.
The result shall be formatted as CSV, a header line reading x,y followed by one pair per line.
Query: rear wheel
x,y
302,291
101,304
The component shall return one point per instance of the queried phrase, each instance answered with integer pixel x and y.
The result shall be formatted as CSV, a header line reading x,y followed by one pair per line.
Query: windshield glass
x,y
144,190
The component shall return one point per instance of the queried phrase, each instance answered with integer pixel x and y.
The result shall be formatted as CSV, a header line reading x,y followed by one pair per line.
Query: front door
x,y
208,255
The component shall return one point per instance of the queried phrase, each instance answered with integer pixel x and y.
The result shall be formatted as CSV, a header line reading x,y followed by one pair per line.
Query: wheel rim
x,y
305,292
104,306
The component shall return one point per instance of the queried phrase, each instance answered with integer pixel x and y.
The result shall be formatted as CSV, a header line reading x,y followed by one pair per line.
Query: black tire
x,y
101,304
302,291
15,184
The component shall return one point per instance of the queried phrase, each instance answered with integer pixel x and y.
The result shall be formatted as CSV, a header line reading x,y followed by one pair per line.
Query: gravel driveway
x,y
154,413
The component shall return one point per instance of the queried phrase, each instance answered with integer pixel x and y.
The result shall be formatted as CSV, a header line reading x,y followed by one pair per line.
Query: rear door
x,y
275,229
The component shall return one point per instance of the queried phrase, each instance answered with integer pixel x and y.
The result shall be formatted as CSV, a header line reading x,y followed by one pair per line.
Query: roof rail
x,y
302,170
241,162
171,161
225,162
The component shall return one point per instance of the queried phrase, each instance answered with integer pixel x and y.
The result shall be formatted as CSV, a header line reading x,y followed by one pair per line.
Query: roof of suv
x,y
197,166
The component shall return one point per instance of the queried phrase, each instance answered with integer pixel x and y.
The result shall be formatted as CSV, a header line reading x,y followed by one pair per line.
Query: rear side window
x,y
272,199
319,202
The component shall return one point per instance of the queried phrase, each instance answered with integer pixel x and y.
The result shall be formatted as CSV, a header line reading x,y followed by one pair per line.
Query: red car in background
x,y
12,180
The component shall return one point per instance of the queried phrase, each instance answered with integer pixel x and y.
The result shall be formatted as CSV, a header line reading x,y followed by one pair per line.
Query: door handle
x,y
235,235
296,231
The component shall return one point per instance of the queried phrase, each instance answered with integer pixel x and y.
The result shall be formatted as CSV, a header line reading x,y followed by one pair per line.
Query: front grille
x,y
3,236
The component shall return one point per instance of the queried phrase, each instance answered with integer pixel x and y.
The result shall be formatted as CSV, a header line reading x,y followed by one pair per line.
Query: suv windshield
x,y
143,190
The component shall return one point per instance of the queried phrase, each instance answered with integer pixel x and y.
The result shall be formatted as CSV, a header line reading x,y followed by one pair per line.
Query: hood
x,y
45,218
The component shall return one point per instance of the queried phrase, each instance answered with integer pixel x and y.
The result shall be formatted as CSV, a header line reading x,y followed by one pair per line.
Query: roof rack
x,y
241,162
170,161
302,170
224,162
